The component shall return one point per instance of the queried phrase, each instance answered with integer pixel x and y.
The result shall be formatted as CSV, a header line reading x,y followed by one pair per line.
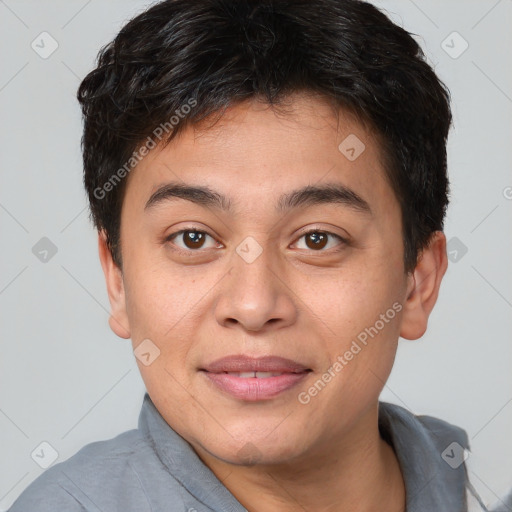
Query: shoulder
x,y
438,427
436,430
97,471
431,453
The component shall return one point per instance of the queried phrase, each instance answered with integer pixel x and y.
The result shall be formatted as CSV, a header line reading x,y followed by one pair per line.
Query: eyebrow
x,y
310,195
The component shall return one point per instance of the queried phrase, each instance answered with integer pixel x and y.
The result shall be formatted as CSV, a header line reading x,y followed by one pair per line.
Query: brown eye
x,y
317,240
193,239
190,239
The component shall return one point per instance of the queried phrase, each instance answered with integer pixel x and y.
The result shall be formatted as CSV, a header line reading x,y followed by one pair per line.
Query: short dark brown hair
x,y
215,53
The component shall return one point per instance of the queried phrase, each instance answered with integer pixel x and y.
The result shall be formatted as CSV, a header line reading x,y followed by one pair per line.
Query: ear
x,y
423,287
118,320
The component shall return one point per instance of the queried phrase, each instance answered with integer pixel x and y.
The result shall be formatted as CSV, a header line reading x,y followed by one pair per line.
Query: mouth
x,y
256,375
254,379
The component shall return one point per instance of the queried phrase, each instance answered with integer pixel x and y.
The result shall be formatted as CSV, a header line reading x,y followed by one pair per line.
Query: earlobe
x,y
423,287
118,320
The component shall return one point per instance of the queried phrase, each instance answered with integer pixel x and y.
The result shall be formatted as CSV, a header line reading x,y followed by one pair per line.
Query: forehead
x,y
253,154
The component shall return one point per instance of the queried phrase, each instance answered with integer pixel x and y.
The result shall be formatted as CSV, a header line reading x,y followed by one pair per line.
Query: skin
x,y
294,301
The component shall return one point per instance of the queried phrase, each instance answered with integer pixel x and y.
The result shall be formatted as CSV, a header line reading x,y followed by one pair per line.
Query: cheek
x,y
352,301
163,300
364,317
363,313
154,305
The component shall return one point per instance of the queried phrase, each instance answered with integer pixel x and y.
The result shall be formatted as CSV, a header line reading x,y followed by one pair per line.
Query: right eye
x,y
191,240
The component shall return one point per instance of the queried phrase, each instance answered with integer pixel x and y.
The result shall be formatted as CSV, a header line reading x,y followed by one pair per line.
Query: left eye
x,y
317,240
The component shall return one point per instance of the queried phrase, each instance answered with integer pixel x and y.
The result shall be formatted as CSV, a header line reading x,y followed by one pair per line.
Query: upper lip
x,y
242,363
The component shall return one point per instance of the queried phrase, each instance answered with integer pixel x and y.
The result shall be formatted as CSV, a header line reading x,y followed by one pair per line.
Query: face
x,y
258,272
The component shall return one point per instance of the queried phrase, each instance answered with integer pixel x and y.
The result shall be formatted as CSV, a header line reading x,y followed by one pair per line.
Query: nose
x,y
255,295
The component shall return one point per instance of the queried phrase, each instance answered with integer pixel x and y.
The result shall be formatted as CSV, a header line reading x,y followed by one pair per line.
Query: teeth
x,y
258,375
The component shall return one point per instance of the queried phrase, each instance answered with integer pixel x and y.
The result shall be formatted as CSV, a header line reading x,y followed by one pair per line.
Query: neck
x,y
359,472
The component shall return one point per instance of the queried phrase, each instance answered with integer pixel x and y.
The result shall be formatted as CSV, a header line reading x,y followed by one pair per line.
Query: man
x,y
268,181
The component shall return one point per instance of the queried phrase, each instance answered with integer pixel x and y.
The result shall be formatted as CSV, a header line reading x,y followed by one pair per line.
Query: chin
x,y
254,451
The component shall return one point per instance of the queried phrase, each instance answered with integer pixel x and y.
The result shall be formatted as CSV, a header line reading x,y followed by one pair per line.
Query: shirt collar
x,y
183,463
431,455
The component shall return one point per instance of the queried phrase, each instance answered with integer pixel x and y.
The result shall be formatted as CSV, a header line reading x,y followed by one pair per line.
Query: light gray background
x,y
66,379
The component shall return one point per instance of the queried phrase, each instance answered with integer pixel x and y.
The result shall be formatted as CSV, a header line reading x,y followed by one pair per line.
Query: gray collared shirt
x,y
152,468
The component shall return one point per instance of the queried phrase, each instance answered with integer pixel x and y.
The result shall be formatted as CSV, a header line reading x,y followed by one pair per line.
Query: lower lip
x,y
254,389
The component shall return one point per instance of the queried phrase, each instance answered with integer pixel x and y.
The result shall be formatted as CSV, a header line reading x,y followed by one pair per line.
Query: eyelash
x,y
189,252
